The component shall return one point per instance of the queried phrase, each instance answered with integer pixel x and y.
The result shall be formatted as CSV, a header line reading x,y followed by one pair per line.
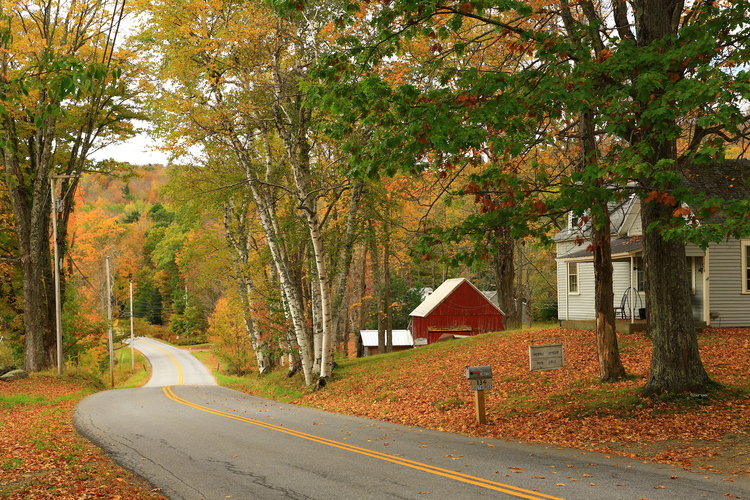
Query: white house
x,y
719,277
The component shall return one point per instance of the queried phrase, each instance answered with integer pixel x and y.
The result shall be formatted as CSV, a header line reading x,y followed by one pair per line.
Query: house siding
x,y
724,266
566,247
636,229
580,305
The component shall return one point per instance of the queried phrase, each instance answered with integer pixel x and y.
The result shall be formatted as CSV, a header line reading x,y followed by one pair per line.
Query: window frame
x,y
745,269
640,275
577,275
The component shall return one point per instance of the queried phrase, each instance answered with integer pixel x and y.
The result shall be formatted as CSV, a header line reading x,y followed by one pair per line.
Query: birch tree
x,y
234,77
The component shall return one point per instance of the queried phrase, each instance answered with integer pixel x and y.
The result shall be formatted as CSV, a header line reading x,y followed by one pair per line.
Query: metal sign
x,y
484,384
546,356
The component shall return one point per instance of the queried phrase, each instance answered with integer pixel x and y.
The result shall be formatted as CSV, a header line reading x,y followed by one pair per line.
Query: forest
x,y
331,160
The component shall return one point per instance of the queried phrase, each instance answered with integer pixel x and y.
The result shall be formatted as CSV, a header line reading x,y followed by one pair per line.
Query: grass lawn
x,y
43,457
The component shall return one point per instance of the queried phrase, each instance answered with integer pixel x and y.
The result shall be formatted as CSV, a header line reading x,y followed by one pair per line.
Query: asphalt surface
x,y
195,440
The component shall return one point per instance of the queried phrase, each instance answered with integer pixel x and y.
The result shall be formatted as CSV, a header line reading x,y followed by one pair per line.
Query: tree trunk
x,y
32,218
362,313
387,293
608,352
675,361
610,365
377,284
505,279
347,255
292,295
676,364
238,235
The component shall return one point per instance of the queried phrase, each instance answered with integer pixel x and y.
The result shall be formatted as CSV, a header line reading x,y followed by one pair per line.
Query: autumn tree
x,y
234,87
649,89
61,94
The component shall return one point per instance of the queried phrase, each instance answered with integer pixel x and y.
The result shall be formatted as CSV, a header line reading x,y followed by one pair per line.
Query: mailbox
x,y
478,372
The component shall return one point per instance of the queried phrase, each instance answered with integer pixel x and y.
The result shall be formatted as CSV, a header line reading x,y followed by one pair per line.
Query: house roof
x,y
400,338
618,214
491,296
441,293
729,179
621,247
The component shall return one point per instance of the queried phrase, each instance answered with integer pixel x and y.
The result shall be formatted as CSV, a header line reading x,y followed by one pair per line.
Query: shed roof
x,y
400,338
443,292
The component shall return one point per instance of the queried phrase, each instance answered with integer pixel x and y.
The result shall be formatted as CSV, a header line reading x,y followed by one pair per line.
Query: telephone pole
x,y
132,340
56,265
109,331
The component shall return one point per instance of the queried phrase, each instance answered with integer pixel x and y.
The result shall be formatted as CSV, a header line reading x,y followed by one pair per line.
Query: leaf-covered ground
x,y
568,407
41,455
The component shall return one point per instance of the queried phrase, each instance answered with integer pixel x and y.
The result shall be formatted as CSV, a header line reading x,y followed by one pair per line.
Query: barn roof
x,y
441,293
400,338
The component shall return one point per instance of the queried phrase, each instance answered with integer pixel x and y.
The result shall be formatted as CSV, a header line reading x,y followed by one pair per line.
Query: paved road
x,y
195,440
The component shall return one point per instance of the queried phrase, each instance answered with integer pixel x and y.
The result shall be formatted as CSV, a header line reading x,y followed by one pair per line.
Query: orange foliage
x,y
567,407
44,458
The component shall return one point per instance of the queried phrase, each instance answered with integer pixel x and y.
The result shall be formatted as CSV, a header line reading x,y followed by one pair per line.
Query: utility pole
x,y
56,265
109,331
132,339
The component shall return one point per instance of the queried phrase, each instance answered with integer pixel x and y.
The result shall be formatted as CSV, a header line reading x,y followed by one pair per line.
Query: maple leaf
x,y
540,207
603,55
466,8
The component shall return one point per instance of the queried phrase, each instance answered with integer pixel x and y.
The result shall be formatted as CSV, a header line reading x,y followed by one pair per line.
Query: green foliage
x,y
147,299
641,96
160,215
80,333
132,216
405,297
190,325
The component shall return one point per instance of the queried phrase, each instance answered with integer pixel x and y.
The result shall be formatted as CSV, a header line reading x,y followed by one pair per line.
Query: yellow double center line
x,y
458,476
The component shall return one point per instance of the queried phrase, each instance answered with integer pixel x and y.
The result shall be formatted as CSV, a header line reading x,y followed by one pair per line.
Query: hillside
x,y
568,407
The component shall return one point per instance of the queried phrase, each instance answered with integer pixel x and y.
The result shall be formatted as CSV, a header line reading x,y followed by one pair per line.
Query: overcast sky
x,y
137,151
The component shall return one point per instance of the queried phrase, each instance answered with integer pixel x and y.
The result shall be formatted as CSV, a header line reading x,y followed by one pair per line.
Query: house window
x,y
745,266
573,278
577,221
691,274
640,275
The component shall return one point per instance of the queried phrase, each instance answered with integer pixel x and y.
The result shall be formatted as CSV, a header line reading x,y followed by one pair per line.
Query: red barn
x,y
456,307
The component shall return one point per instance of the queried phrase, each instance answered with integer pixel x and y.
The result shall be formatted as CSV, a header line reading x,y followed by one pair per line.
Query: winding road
x,y
195,440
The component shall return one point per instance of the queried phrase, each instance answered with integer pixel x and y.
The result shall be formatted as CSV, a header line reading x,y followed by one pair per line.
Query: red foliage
x,y
567,407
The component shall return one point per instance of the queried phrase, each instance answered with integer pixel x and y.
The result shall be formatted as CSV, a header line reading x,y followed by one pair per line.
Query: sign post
x,y
481,380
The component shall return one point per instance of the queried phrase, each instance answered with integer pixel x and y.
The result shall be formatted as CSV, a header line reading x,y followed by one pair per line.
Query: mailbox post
x,y
481,379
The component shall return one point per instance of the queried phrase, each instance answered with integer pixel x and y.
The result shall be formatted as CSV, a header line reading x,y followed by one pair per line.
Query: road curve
x,y
172,366
195,440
